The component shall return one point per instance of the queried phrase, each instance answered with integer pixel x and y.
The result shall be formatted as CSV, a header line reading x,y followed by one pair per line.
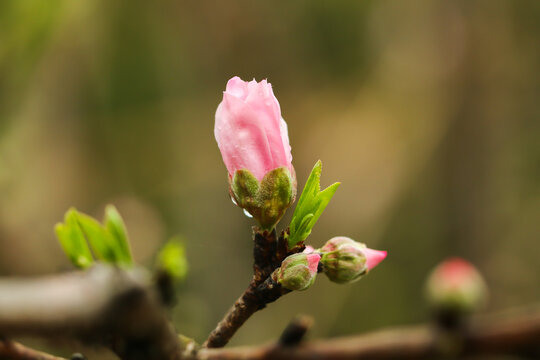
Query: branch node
x,y
295,332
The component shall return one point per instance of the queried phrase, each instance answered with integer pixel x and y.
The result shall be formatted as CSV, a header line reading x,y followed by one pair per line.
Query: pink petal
x,y
284,131
313,262
249,129
241,140
261,98
237,88
374,257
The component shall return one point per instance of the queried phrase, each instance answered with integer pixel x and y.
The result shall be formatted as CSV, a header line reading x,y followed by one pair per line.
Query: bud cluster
x,y
254,143
343,261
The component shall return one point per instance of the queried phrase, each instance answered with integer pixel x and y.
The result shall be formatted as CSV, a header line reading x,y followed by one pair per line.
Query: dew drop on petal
x,y
247,213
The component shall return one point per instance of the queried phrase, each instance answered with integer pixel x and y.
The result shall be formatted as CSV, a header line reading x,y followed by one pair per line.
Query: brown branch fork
x,y
268,252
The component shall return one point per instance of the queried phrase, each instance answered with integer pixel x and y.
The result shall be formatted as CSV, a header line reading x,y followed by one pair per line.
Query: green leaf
x,y
73,242
101,241
310,206
116,227
172,259
304,229
109,242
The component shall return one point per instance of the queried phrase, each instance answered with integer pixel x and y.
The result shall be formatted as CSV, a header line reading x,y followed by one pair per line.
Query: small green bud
x,y
298,271
172,259
345,260
266,200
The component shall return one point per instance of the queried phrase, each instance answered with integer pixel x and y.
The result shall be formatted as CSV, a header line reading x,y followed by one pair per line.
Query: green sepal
x,y
343,268
245,187
275,195
310,206
294,273
114,224
72,240
172,259
266,200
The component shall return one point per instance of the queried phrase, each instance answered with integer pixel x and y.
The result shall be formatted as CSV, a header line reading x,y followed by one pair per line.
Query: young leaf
x,y
172,259
310,206
115,226
73,242
102,243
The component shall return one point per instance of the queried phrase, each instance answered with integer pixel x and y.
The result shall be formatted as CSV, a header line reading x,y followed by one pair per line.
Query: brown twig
x,y
268,253
14,351
517,334
121,310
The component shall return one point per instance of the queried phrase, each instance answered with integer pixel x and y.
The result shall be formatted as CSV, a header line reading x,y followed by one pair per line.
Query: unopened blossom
x,y
254,143
456,284
345,260
249,129
298,271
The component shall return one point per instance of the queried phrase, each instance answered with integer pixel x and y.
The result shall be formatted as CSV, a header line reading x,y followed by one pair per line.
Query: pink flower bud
x,y
249,129
345,260
298,271
456,284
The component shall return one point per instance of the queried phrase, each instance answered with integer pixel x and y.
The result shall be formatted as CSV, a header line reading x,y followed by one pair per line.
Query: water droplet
x,y
233,201
247,214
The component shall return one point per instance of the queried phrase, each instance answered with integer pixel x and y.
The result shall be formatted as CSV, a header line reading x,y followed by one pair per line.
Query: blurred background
x,y
427,112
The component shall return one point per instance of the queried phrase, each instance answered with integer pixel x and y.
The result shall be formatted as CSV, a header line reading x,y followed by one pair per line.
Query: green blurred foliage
x,y
109,241
172,259
426,111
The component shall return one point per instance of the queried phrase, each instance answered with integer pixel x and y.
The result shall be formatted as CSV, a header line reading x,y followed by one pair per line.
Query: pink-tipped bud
x,y
298,271
254,143
345,260
456,284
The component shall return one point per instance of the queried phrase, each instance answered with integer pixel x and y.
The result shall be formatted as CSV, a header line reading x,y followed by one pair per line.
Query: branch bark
x,y
122,310
14,351
105,305
516,333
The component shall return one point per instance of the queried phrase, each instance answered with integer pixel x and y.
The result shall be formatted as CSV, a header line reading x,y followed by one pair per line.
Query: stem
x,y
515,332
243,308
268,253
